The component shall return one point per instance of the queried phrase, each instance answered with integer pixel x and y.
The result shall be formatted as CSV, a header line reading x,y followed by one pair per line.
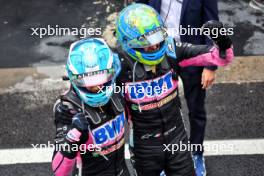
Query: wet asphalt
x,y
21,49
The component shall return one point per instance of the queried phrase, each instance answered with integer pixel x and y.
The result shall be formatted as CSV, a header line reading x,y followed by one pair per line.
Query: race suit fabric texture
x,y
154,115
107,127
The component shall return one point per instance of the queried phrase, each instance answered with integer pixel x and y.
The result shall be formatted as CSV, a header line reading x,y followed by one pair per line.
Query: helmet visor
x,y
149,39
95,78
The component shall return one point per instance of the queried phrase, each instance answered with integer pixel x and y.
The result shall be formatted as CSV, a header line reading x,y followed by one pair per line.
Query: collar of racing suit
x,y
116,104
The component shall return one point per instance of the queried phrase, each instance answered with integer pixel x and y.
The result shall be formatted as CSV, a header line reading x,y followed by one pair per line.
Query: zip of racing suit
x,y
153,107
102,152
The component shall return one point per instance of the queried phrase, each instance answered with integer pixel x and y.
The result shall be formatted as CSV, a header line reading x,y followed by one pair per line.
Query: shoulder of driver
x,y
171,47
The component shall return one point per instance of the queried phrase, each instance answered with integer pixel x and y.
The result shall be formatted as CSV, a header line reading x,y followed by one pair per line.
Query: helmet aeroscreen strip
x,y
93,78
148,39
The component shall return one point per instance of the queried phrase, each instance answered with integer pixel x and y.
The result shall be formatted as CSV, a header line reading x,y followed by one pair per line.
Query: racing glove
x,y
221,39
77,135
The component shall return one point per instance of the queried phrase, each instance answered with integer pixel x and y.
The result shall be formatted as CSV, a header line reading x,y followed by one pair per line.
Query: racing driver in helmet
x,y
90,117
150,60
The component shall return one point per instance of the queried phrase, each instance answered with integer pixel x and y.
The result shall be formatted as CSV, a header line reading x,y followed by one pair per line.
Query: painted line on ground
x,y
212,147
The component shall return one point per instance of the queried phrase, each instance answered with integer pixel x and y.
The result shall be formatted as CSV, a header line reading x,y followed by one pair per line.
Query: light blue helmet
x,y
139,26
92,63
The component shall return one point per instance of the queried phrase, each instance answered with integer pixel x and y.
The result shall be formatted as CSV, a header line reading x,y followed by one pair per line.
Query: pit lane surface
x,y
235,111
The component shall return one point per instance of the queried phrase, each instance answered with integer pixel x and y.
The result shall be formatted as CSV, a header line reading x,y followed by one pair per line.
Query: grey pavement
x,y
217,166
235,111
19,49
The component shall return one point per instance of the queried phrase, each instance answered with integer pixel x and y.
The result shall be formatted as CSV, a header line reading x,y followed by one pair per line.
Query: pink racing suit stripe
x,y
147,98
61,165
209,59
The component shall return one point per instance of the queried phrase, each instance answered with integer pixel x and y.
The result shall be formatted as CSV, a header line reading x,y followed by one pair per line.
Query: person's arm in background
x,y
210,12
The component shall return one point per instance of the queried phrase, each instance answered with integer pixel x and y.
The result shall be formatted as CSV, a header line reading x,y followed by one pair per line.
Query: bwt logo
x,y
110,130
150,89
